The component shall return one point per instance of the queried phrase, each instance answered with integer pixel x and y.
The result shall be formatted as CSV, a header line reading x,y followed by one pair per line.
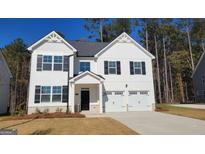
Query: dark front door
x,y
85,100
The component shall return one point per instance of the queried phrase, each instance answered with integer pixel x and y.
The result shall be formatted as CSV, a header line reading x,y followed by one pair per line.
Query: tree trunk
x,y
181,88
165,73
158,76
146,37
101,31
190,48
202,45
186,92
171,83
16,85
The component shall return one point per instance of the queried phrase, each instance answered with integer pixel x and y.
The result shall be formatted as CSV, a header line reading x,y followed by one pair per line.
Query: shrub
x,y
19,112
38,111
46,111
59,110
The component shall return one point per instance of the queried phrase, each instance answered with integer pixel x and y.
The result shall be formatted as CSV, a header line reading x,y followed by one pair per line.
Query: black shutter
x,y
37,94
118,67
106,67
143,68
65,94
131,68
39,63
66,63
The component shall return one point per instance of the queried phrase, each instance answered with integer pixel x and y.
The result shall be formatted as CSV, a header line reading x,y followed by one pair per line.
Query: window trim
x,y
47,62
137,67
112,67
54,94
42,94
84,62
62,62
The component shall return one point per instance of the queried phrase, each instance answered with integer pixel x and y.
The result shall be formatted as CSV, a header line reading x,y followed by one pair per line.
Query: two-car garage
x,y
119,101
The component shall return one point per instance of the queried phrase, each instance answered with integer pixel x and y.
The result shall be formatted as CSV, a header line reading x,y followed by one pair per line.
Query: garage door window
x,y
108,93
119,93
132,92
143,92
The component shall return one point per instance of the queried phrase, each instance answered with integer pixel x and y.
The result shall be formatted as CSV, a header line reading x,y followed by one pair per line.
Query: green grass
x,y
182,111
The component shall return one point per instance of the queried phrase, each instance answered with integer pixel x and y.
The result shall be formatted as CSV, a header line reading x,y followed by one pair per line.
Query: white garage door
x,y
138,101
114,101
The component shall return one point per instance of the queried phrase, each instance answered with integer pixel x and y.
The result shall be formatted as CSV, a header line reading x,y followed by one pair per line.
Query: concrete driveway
x,y
156,123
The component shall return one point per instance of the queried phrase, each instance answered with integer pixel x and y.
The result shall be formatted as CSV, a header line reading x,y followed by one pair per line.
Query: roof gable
x,y
125,38
52,37
95,76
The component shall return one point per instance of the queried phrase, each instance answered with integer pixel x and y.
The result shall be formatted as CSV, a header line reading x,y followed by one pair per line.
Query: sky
x,y
32,29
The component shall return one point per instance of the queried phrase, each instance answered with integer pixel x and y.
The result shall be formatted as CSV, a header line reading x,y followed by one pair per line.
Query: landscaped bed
x,y
182,111
68,126
44,115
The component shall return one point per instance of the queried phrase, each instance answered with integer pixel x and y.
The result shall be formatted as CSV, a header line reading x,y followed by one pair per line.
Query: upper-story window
x,y
47,63
137,68
58,63
112,67
84,66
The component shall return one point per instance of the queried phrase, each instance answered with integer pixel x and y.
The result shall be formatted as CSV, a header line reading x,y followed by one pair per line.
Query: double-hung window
x,y
112,67
58,63
45,93
137,67
47,63
57,94
84,66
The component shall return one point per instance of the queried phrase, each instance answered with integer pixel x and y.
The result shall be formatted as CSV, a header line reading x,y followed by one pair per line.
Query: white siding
x,y
48,78
125,52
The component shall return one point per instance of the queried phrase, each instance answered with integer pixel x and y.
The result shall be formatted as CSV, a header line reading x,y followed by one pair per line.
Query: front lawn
x,y
68,126
182,111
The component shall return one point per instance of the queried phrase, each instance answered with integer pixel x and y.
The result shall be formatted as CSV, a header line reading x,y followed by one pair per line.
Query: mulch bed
x,y
159,109
44,116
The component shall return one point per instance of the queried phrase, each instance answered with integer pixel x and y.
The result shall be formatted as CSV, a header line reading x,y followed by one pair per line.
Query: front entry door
x,y
85,100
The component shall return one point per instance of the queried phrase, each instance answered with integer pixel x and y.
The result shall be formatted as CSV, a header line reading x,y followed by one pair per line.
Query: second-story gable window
x,y
112,67
47,63
137,68
58,63
84,66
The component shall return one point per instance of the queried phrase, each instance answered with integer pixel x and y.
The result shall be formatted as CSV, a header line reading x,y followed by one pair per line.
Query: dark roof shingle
x,y
87,49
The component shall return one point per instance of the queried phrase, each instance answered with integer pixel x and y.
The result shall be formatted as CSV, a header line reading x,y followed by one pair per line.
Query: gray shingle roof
x,y
88,49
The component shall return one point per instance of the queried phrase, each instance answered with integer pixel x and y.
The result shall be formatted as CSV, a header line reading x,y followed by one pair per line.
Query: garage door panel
x,y
114,101
138,101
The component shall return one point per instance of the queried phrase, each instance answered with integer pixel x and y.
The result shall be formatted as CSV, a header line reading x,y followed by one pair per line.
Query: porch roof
x,y
87,77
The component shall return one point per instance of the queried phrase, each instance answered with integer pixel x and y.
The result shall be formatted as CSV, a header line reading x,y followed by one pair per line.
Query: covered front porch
x,y
86,91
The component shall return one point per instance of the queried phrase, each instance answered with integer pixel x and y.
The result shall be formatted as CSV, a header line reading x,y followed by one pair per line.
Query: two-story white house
x,y
93,76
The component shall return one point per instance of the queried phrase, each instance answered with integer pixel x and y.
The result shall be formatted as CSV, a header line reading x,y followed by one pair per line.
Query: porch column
x,y
72,96
101,97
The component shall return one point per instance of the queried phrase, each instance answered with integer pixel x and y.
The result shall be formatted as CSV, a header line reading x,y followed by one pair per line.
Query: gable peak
x,y
53,37
124,38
